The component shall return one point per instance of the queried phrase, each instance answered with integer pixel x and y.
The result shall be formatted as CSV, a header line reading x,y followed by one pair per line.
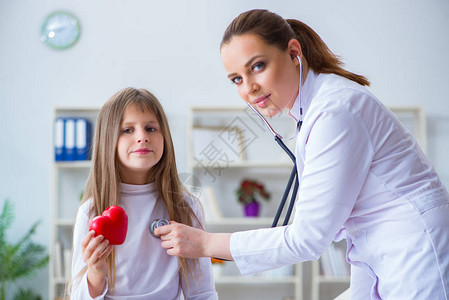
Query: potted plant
x,y
249,193
20,259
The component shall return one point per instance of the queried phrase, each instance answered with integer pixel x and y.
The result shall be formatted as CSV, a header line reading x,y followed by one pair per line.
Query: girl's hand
x,y
95,251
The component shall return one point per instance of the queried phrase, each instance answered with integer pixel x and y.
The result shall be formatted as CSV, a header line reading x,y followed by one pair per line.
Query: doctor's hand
x,y
189,242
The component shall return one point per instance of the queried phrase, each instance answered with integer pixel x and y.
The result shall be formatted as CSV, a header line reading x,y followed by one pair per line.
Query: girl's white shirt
x,y
364,178
144,270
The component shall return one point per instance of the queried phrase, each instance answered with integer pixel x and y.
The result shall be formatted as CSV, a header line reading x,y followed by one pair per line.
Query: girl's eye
x,y
150,129
236,80
258,66
127,130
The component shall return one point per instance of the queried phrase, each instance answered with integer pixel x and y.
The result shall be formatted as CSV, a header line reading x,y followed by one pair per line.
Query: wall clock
x,y
60,30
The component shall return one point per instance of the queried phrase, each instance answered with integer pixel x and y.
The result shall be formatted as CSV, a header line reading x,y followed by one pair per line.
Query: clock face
x,y
60,30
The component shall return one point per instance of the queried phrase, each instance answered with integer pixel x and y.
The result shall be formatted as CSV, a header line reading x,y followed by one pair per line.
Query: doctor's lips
x,y
142,151
262,101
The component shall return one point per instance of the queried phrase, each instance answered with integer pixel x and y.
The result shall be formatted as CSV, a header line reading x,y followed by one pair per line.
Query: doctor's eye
x,y
258,66
236,80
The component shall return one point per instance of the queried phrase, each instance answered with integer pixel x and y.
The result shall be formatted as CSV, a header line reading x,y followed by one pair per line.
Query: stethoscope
x,y
293,175
155,224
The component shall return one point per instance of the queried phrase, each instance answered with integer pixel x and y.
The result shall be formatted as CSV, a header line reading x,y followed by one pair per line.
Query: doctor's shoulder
x,y
336,87
336,93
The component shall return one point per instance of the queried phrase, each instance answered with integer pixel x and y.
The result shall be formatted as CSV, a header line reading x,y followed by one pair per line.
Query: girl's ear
x,y
294,49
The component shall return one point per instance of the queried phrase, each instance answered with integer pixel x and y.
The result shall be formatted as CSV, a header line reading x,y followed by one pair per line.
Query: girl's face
x,y
140,146
265,76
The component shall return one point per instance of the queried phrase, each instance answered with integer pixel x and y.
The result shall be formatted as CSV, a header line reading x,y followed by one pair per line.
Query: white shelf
x,y
329,279
260,159
241,221
251,164
69,178
82,164
64,222
256,280
59,280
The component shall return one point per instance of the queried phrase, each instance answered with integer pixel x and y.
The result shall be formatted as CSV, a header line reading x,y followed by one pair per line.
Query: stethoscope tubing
x,y
293,178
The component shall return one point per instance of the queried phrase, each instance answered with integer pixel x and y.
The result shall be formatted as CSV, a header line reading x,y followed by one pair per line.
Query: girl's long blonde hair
x,y
276,31
103,183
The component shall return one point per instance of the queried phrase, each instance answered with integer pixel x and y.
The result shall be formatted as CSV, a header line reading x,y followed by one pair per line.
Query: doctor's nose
x,y
251,88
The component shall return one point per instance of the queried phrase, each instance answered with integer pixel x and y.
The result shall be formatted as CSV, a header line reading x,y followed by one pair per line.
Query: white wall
x,y
171,48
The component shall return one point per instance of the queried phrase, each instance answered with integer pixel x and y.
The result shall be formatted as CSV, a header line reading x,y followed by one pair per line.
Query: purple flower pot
x,y
252,209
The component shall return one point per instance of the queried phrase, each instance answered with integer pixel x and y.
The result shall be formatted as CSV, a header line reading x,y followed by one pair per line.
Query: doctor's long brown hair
x,y
276,31
103,184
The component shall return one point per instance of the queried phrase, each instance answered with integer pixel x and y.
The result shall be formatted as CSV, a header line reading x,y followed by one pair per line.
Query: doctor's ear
x,y
294,48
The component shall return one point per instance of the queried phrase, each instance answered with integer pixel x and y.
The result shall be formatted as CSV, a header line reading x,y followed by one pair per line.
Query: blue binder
x,y
69,140
83,139
59,139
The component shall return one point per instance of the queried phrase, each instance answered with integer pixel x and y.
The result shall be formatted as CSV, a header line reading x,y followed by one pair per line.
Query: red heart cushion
x,y
112,224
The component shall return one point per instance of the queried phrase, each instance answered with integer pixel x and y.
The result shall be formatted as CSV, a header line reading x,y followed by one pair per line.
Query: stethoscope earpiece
x,y
157,223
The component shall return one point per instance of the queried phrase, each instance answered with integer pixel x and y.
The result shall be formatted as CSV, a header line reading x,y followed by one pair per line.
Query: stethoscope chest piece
x,y
155,224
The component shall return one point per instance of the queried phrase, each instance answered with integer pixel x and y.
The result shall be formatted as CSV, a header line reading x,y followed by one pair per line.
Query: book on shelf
x,y
333,263
72,139
69,140
67,257
58,267
59,139
284,271
83,139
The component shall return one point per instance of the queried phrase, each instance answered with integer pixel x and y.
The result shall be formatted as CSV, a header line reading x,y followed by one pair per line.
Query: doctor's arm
x,y
185,241
338,154
199,284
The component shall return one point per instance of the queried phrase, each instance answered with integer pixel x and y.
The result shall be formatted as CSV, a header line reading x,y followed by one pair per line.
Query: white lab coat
x,y
362,177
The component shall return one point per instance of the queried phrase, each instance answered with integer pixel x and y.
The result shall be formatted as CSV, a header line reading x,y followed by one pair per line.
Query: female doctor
x,y
362,175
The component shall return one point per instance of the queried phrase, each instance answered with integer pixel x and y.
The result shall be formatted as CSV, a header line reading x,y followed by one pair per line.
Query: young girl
x,y
133,166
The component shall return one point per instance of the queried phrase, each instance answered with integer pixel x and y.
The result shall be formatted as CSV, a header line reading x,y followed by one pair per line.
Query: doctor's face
x,y
266,77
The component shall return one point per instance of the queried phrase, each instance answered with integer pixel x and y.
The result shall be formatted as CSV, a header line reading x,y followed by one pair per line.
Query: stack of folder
x,y
73,139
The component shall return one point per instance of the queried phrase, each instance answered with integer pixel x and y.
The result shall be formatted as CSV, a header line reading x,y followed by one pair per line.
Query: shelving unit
x,y
69,178
225,146
328,286
260,158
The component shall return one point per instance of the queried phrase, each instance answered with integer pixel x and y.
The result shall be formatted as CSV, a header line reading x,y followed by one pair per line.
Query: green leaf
x,y
6,219
26,295
26,237
20,259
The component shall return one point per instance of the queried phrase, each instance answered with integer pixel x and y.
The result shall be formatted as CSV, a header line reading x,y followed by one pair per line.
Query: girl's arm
x,y
86,284
95,252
